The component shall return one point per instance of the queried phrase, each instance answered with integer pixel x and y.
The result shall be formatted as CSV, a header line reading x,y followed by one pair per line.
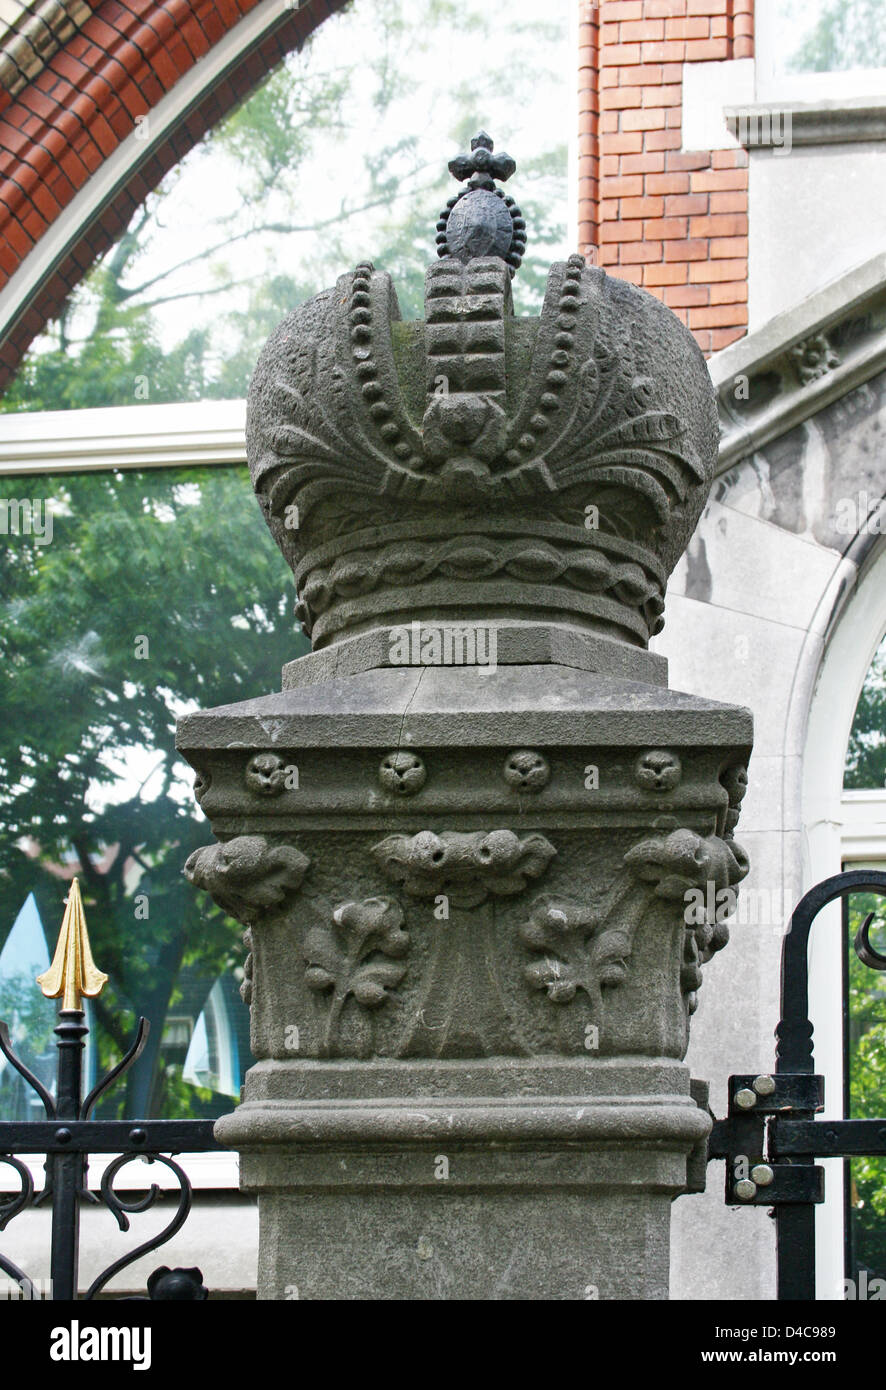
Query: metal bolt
x,y
63,1136
745,1190
762,1174
745,1099
137,1136
764,1085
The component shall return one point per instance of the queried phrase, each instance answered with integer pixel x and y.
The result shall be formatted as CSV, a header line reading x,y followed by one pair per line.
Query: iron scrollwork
x,y
121,1209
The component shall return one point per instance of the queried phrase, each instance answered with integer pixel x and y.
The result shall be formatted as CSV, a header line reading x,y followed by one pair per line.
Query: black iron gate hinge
x,y
769,1139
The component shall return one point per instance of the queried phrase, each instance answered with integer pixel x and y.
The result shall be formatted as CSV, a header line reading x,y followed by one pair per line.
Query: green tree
x,y
866,753
160,591
867,1086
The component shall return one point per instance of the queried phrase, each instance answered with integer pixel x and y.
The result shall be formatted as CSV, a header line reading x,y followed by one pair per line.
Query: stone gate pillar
x,y
481,850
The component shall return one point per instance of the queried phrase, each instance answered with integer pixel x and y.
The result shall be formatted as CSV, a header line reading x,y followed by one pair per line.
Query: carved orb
x,y
657,770
266,774
526,770
402,773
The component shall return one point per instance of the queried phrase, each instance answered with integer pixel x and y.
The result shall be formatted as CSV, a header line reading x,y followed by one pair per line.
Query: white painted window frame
x,y
190,434
774,87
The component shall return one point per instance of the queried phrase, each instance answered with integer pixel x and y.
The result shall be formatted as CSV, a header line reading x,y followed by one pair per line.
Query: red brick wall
x,y
57,131
674,222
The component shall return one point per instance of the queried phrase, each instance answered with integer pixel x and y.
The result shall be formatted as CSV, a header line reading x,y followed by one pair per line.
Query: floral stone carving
x,y
814,358
586,945
658,770
266,774
358,956
402,772
527,770
466,868
735,780
246,876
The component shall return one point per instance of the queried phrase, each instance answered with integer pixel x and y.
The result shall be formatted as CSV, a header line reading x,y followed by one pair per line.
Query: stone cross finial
x,y
481,166
481,220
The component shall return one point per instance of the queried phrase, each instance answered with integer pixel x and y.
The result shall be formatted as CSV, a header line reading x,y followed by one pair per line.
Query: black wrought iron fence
x,y
69,1135
770,1137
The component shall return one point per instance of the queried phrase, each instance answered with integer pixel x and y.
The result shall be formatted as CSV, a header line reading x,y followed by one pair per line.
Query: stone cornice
x,y
801,361
846,121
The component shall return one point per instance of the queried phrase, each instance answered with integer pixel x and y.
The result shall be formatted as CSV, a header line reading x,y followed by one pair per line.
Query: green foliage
x,y
28,1012
866,753
849,34
867,1099
88,768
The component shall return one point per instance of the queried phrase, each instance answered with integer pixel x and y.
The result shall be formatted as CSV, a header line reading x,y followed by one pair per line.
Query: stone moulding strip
x,y
667,723
628,1119
600,1078
839,122
801,361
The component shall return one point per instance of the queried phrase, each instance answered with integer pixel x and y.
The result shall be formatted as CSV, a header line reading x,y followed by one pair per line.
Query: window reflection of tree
x,y
865,1087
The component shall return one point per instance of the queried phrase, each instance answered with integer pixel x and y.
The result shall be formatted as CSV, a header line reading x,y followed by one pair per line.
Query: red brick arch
x,y
60,124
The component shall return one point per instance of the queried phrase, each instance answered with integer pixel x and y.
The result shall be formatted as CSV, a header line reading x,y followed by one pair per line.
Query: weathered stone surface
x,y
464,836
480,466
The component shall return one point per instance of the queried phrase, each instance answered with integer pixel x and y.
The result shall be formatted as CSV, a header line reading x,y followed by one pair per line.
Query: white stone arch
x,y
857,623
772,604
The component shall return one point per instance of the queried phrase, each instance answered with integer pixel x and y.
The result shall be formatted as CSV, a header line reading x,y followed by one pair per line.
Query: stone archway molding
x,y
801,361
857,624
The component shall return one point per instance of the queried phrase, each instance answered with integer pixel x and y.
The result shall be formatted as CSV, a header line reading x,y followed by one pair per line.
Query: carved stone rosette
x,y
471,885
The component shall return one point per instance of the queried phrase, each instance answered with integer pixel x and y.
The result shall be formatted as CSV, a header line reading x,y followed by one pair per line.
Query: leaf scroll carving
x,y
465,867
587,945
247,876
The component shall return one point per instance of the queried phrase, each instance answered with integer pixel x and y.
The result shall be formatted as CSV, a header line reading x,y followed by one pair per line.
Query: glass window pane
x,y
134,597
866,755
825,35
341,153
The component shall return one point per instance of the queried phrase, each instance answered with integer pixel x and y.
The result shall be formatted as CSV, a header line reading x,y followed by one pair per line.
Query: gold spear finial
x,y
73,972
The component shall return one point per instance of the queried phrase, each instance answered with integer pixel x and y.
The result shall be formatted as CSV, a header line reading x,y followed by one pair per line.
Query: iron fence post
x,y
67,1171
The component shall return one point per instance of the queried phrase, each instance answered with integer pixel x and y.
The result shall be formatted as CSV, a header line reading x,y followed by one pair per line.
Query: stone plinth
x,y
471,976
532,1180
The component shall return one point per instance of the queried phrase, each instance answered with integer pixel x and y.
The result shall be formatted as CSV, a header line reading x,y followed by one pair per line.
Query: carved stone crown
x,y
475,465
